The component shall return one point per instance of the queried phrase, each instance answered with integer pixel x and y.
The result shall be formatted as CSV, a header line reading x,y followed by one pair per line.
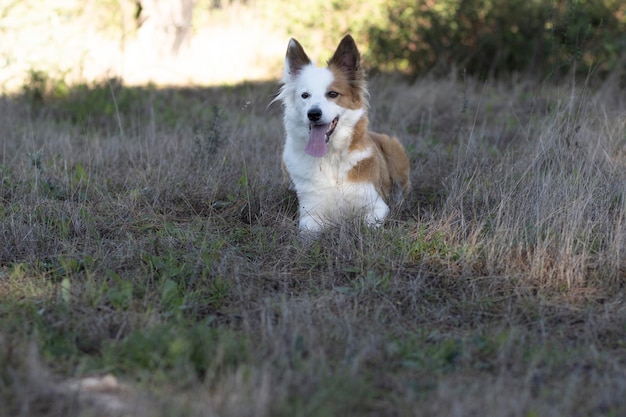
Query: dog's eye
x,y
332,94
305,95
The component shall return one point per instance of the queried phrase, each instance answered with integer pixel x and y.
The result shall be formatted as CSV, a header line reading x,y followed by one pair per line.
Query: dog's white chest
x,y
312,173
324,191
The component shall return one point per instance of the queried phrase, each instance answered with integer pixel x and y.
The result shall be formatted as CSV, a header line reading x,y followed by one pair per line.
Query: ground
x,y
151,264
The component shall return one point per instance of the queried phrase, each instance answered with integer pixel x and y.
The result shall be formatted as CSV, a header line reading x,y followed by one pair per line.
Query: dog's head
x,y
323,101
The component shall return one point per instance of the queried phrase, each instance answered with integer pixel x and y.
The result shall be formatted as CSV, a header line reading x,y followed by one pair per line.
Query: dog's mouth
x,y
319,135
331,128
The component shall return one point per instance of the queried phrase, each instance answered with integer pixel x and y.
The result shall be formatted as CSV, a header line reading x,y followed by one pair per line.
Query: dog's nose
x,y
315,114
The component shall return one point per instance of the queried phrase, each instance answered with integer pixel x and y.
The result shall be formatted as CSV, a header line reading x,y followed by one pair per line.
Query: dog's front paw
x,y
373,221
310,224
376,216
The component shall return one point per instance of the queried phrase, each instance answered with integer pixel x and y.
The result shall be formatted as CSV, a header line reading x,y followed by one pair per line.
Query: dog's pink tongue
x,y
316,146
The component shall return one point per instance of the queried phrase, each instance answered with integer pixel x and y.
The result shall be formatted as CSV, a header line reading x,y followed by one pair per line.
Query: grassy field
x,y
150,263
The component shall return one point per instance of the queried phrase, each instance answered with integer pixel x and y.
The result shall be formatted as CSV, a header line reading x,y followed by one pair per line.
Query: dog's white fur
x,y
359,169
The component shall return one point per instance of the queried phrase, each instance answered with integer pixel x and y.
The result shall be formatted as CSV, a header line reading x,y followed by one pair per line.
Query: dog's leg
x,y
377,214
310,223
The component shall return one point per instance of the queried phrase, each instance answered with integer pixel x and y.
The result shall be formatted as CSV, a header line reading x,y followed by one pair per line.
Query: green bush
x,y
489,37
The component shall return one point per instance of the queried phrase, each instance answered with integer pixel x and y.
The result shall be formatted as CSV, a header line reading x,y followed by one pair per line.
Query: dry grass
x,y
154,240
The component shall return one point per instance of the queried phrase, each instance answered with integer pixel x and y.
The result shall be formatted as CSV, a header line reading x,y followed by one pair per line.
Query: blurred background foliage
x,y
493,37
485,38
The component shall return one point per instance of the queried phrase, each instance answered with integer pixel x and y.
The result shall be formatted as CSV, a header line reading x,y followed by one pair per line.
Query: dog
x,y
337,166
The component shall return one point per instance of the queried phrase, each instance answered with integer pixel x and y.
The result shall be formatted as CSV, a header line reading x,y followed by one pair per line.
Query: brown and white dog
x,y
338,167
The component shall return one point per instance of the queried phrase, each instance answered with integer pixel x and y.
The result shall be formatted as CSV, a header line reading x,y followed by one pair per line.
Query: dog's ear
x,y
347,57
296,58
